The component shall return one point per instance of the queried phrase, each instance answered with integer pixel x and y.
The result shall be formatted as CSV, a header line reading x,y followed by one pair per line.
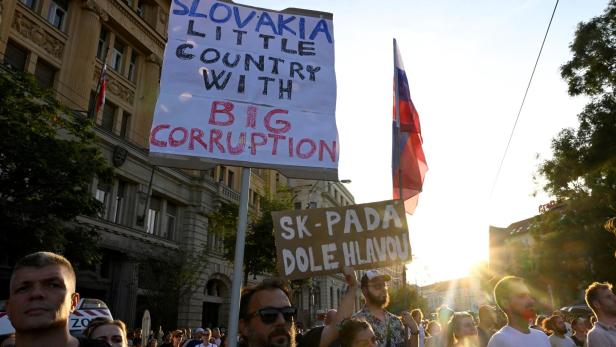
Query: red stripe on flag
x,y
410,167
90,313
77,313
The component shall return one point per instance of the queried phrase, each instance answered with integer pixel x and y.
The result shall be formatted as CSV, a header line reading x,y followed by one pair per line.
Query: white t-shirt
x,y
510,337
557,341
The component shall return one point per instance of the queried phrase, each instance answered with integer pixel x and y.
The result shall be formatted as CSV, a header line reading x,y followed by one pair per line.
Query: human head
x,y
42,293
434,328
417,315
216,332
152,342
176,336
601,300
555,324
580,326
111,331
355,332
205,336
487,316
266,315
330,317
513,297
443,314
461,326
374,288
197,333
539,320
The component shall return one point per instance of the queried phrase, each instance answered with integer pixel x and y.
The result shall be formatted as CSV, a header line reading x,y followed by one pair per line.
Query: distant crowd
x,y
42,296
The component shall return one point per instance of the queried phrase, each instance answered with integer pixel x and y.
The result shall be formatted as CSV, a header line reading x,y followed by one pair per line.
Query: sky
x,y
468,65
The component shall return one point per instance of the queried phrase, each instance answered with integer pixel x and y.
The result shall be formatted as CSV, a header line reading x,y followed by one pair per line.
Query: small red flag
x,y
102,89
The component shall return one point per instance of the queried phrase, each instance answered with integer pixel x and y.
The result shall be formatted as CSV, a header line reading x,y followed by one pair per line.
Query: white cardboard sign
x,y
248,87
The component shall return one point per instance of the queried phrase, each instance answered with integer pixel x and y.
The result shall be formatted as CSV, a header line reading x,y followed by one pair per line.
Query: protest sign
x,y
247,87
321,241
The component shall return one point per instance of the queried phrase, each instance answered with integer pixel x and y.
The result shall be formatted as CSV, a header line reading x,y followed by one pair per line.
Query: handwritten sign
x,y
248,87
322,241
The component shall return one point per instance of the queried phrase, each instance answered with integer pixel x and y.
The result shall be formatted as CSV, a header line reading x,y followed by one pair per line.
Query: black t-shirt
x,y
84,342
577,342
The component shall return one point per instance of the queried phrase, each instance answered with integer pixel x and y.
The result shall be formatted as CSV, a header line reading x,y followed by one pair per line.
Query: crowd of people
x,y
42,296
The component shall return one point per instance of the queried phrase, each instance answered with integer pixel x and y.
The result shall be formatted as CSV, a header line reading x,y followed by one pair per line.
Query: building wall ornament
x,y
35,33
163,17
91,5
154,59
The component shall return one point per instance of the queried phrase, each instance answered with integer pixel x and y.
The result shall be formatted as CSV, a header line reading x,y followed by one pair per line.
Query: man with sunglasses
x,y
267,317
390,331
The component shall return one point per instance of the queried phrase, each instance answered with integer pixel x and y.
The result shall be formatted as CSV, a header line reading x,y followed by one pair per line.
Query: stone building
x,y
462,294
320,293
149,211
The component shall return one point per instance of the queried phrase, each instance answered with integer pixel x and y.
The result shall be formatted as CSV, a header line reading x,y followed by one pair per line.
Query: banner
x,y
316,242
248,87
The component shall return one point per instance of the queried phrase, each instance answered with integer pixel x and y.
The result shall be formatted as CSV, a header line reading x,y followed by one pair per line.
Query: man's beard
x,y
282,338
378,301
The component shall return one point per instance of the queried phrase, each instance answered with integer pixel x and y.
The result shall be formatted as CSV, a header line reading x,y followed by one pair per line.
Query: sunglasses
x,y
269,315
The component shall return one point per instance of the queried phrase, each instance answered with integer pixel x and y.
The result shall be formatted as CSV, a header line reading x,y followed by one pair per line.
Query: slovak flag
x,y
408,163
102,89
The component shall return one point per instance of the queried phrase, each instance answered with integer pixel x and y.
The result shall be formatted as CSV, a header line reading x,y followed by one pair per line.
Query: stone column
x,y
123,295
7,11
148,94
81,53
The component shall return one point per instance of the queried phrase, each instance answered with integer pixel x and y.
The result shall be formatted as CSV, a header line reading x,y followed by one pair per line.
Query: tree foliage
x,y
169,279
406,298
48,158
259,251
574,245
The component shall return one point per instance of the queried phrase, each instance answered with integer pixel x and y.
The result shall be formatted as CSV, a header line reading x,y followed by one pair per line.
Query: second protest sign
x,y
322,241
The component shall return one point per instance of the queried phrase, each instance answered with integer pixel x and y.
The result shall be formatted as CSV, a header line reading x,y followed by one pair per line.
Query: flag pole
x,y
397,108
238,261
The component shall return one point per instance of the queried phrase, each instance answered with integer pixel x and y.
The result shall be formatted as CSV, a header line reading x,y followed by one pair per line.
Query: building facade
x,y
150,211
462,294
317,295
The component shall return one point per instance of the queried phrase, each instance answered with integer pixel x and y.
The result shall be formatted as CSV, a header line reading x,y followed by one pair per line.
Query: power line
x,y
523,100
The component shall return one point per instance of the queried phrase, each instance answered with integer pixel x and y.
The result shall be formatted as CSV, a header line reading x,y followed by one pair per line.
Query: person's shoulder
x,y
85,342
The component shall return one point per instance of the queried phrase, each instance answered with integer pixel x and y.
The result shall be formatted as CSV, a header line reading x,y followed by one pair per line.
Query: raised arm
x,y
346,309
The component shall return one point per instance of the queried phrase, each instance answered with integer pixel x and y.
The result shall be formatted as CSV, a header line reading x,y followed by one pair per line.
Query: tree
x,y
168,279
581,174
259,250
406,298
48,157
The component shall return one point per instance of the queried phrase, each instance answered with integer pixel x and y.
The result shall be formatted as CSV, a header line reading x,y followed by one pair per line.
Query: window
x,y
141,8
297,205
221,174
120,202
58,10
153,215
172,213
109,111
15,56
101,49
29,3
230,179
125,129
132,67
117,55
44,73
102,195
